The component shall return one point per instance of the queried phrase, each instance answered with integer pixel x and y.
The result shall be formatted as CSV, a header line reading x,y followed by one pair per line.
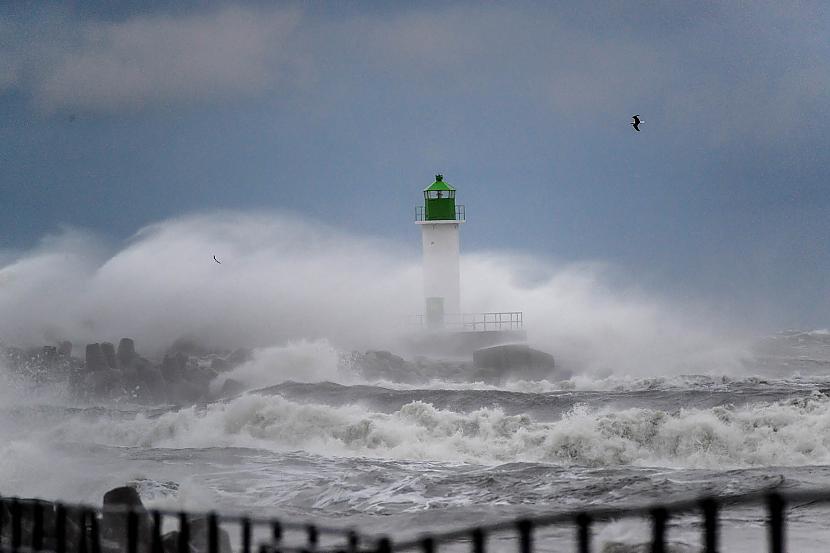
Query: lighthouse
x,y
440,218
443,328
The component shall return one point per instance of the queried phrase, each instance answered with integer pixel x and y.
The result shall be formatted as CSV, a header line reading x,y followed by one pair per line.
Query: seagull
x,y
636,123
216,260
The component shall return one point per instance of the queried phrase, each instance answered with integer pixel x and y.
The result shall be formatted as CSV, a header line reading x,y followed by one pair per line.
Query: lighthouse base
x,y
460,343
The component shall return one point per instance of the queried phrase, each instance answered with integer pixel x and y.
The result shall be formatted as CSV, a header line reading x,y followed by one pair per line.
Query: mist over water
x,y
284,279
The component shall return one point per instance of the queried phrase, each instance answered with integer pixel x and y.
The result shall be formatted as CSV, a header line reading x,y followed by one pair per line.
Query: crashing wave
x,y
784,433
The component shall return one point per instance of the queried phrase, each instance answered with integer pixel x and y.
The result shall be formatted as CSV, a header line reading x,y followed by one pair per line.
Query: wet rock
x,y
151,385
95,359
104,383
126,351
65,348
108,350
49,355
498,363
173,367
117,502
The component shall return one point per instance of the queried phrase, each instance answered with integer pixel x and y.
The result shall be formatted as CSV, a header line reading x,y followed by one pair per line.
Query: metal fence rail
x,y
475,322
29,526
707,507
460,214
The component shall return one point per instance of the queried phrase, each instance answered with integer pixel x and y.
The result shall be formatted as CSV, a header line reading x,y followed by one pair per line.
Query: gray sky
x,y
112,118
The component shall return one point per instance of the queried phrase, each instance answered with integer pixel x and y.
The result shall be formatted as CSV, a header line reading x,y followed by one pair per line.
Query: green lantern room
x,y
439,201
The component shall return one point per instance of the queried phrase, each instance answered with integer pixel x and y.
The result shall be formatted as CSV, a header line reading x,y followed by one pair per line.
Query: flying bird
x,y
636,123
216,260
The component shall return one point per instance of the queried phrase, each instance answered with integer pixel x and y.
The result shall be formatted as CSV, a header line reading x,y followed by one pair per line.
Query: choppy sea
x,y
405,459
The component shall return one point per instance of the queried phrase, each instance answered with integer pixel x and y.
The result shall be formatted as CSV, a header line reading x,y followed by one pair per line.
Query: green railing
x,y
460,214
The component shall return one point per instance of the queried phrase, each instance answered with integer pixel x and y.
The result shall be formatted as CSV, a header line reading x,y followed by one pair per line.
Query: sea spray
x,y
284,279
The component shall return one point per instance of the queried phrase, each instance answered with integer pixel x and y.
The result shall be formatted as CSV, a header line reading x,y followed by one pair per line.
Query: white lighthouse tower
x,y
440,219
444,328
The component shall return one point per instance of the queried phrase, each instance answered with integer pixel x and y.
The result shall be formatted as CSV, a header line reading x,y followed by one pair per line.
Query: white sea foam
x,y
618,383
776,434
300,361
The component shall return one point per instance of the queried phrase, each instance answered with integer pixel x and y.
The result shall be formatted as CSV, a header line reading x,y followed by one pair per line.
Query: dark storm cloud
x,y
154,58
721,66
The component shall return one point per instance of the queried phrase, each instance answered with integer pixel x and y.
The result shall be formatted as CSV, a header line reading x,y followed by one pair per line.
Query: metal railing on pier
x,y
37,526
476,322
660,515
30,526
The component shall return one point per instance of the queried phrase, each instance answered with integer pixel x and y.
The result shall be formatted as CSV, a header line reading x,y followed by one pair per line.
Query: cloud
x,y
146,60
715,69
8,72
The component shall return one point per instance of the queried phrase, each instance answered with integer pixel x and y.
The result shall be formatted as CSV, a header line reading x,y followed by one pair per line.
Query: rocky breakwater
x,y
38,525
492,365
45,365
121,373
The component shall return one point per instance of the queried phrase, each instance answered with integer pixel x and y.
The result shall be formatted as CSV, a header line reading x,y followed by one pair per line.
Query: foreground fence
x,y
29,526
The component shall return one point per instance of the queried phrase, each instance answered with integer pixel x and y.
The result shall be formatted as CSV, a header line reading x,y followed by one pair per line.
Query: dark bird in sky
x,y
636,123
216,260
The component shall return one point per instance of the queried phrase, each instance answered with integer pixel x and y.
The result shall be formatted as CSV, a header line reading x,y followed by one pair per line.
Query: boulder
x,y
65,348
117,502
49,354
150,385
105,382
513,360
126,351
109,354
173,367
95,359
